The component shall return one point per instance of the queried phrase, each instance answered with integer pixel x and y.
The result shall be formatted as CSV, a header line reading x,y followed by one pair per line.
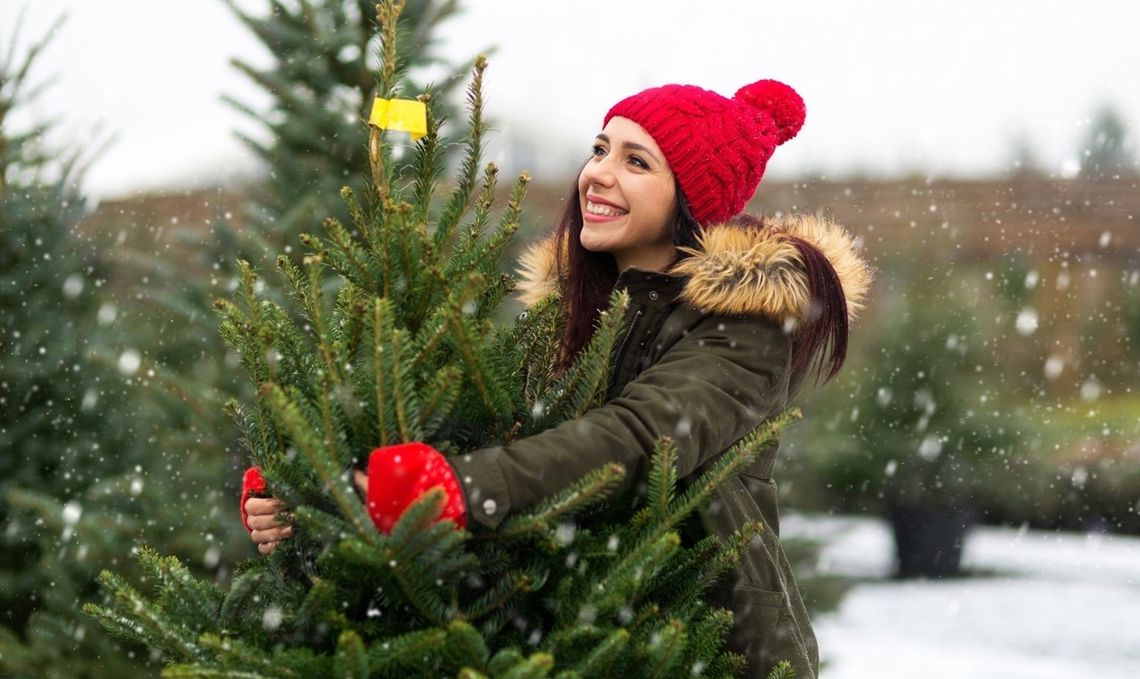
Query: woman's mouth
x,y
602,212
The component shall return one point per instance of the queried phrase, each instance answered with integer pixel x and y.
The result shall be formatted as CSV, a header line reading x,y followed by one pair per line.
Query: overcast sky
x,y
891,86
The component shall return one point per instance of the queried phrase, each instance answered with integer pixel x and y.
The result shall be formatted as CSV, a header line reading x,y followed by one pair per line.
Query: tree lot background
x,y
996,365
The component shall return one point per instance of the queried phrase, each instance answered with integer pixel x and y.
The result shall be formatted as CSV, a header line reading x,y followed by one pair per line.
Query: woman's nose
x,y
598,171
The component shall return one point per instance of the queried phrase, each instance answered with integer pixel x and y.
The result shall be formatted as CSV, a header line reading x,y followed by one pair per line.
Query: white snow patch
x,y
1061,605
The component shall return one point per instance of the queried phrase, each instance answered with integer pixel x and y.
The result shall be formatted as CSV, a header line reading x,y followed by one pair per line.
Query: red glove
x,y
399,475
252,482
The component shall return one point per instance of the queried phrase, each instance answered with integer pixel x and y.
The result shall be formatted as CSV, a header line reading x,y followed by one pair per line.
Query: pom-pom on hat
x,y
717,147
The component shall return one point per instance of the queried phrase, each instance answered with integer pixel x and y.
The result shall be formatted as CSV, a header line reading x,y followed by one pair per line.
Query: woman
x,y
727,315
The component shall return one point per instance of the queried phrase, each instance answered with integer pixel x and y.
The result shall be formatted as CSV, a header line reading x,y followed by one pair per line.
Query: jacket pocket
x,y
756,619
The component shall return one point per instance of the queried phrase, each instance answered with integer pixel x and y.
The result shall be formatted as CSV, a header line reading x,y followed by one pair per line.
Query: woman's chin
x,y
595,244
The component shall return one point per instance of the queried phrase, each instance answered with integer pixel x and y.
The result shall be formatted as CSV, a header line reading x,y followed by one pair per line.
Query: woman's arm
x,y
712,388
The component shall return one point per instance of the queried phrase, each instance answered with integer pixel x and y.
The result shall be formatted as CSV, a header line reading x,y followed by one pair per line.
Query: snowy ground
x,y
1045,605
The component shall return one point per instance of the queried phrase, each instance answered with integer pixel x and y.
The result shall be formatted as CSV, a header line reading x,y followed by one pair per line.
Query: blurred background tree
x,y
1108,150
87,471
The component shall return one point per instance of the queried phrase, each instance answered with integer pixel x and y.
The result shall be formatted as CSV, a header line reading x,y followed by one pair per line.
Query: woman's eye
x,y
599,150
639,162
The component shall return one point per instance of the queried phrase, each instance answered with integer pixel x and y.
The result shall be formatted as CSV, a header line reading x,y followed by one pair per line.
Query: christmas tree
x,y
319,86
399,346
80,481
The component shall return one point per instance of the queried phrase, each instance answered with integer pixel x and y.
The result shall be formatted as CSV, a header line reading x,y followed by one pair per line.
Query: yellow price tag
x,y
405,115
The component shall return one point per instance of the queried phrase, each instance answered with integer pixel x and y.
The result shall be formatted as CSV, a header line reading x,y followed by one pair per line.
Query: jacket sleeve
x,y
710,389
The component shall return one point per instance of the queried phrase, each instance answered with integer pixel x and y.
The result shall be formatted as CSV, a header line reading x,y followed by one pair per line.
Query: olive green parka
x,y
705,358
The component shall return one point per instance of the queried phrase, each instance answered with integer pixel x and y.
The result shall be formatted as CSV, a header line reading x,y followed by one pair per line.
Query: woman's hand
x,y
361,480
266,528
263,516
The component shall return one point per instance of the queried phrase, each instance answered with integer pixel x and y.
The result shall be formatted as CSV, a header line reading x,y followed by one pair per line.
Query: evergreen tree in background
x,y
321,84
85,471
400,347
1109,150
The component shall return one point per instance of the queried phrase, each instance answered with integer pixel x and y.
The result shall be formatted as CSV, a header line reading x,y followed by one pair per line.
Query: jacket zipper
x,y
624,345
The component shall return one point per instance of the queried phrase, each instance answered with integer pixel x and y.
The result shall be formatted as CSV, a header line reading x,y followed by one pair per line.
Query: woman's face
x,y
628,198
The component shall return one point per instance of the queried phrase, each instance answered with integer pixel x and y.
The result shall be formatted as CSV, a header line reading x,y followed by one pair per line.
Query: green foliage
x,y
401,346
321,81
89,469
920,423
1107,151
783,670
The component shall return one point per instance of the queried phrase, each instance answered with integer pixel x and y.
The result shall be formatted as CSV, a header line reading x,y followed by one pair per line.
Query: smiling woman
x,y
628,197
727,316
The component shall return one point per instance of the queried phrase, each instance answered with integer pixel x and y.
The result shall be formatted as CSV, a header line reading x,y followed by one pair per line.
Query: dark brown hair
x,y
821,338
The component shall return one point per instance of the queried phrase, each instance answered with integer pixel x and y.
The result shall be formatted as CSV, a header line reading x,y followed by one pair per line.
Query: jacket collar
x,y
738,269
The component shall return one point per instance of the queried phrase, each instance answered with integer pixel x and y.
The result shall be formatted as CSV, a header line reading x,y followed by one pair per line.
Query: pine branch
x,y
493,397
314,305
287,413
380,318
627,577
688,574
231,652
349,259
503,661
465,646
400,555
351,661
243,591
731,462
442,393
319,603
193,602
456,205
142,621
584,384
433,331
318,522
662,478
706,636
429,159
537,330
505,589
462,258
488,253
396,400
591,489
696,578
387,15
601,659
667,649
537,666
411,652
782,670
374,230
211,672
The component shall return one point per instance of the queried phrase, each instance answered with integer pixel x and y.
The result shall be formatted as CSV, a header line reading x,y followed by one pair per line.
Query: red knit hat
x,y
716,147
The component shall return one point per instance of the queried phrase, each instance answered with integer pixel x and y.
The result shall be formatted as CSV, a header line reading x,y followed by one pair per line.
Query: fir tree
x,y
322,85
313,143
399,347
1108,148
81,474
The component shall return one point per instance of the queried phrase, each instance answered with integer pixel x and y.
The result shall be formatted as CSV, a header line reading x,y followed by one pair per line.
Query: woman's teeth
x,y
604,210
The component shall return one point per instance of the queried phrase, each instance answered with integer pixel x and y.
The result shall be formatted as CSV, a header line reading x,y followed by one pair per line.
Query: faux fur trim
x,y
538,272
741,269
755,270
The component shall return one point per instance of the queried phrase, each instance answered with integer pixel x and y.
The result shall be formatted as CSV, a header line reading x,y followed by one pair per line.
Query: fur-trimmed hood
x,y
740,268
